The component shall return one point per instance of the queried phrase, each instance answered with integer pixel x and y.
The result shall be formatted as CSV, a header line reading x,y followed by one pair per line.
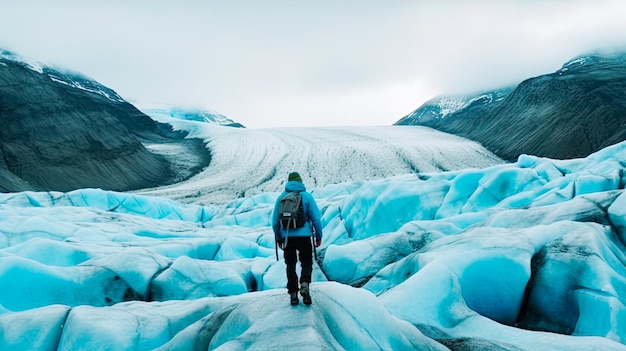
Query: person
x,y
299,240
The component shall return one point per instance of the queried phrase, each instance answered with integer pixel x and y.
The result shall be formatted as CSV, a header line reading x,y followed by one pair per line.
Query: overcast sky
x,y
307,63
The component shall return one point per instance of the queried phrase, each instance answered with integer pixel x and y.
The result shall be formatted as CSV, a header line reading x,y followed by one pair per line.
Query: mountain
x,y
573,112
441,107
157,112
64,131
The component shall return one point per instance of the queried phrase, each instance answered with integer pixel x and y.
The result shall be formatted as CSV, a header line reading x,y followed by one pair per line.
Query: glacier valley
x,y
430,243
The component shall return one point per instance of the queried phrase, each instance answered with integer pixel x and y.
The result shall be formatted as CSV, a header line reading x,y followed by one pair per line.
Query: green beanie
x,y
294,176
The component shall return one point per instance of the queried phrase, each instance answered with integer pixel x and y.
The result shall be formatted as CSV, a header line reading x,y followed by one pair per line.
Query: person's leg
x,y
290,261
305,250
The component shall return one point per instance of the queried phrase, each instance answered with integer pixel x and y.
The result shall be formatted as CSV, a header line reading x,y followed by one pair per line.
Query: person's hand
x,y
281,244
318,242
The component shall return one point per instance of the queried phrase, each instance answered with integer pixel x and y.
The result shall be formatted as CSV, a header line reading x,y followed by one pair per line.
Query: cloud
x,y
325,62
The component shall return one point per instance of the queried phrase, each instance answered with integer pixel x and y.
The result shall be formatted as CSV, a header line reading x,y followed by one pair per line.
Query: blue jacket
x,y
311,212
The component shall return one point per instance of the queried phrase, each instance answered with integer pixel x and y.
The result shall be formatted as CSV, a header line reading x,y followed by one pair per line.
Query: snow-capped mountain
x,y
440,107
589,63
573,112
82,82
158,111
69,78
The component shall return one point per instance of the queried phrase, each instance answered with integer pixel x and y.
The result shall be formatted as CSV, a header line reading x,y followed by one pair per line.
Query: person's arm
x,y
275,223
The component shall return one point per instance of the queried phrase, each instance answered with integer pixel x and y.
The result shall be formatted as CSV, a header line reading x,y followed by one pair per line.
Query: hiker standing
x,y
295,239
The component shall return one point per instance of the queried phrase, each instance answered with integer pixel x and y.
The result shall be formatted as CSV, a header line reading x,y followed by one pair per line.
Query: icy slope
x,y
247,162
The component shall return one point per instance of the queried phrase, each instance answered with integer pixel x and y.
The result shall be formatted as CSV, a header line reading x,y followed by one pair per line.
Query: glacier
x,y
249,162
456,250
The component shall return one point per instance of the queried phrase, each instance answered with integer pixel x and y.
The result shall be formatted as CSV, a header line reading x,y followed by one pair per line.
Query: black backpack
x,y
291,211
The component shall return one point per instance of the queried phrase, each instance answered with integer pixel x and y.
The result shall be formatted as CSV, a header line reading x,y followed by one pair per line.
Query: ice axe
x,y
313,241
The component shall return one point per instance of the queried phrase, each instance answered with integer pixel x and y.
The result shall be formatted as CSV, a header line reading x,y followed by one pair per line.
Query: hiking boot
x,y
294,298
306,296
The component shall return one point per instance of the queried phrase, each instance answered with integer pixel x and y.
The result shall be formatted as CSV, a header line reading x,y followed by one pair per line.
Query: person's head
x,y
294,176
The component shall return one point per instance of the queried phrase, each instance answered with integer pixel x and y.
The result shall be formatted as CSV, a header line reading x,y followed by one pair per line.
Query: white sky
x,y
307,63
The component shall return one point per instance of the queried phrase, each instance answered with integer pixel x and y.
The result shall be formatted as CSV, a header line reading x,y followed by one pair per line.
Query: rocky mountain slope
x,y
62,131
443,106
573,112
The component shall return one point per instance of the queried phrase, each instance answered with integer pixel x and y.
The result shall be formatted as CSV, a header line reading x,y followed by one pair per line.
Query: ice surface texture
x,y
528,255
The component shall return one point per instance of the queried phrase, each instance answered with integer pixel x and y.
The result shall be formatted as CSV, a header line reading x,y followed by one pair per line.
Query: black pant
x,y
298,247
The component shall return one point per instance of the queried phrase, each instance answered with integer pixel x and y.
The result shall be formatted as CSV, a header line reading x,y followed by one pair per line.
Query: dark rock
x,y
472,344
